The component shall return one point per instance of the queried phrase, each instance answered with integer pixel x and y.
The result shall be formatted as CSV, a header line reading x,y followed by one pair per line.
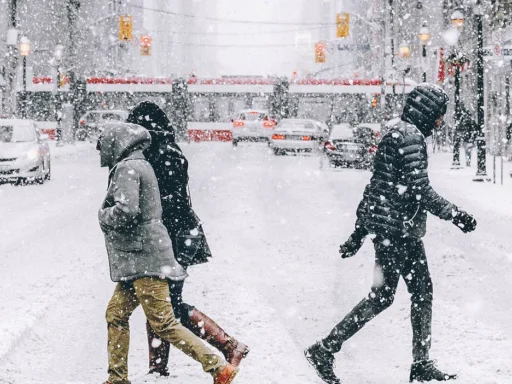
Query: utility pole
x,y
73,7
11,61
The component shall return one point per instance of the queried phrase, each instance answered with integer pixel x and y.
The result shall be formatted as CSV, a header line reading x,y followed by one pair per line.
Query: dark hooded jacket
x,y
137,242
400,195
171,169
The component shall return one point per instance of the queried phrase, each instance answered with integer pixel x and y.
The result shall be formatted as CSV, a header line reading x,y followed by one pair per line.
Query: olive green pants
x,y
153,295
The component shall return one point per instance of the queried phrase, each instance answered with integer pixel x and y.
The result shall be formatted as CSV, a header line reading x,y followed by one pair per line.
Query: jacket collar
x,y
135,155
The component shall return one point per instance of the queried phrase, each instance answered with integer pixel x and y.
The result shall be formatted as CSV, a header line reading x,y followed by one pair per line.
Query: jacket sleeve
x,y
416,181
362,212
124,189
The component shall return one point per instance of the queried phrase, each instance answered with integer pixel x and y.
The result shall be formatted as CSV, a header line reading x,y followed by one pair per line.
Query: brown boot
x,y
158,354
227,375
204,327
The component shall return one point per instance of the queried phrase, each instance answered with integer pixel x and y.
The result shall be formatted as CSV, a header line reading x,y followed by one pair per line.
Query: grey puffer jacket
x,y
137,242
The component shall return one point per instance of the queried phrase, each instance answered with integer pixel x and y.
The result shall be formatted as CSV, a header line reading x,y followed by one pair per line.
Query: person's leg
x,y
158,348
153,294
386,275
121,306
419,284
207,329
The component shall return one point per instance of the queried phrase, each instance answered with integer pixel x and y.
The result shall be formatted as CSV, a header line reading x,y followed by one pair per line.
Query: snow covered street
x,y
276,281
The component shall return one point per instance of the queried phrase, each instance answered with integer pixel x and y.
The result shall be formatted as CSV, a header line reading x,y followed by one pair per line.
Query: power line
x,y
226,20
244,46
240,33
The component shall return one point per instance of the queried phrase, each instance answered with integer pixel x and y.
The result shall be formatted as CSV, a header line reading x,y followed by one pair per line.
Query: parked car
x,y
252,125
91,123
298,135
24,152
351,146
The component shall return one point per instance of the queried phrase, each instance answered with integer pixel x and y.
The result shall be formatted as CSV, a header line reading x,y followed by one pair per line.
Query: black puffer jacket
x,y
171,169
400,194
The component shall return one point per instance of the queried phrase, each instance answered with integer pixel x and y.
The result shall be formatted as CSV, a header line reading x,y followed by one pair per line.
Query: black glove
x,y
464,221
352,245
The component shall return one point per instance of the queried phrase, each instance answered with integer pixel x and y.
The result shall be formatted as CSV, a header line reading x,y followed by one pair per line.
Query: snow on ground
x,y
276,281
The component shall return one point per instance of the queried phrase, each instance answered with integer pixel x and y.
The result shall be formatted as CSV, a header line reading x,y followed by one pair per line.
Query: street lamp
x,y
24,51
424,39
404,51
457,19
58,53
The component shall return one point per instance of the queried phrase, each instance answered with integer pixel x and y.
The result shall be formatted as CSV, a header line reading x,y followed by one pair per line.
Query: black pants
x,y
181,309
402,257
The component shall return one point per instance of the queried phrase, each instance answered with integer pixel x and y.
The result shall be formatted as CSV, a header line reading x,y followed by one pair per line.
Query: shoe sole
x,y
310,361
447,378
233,375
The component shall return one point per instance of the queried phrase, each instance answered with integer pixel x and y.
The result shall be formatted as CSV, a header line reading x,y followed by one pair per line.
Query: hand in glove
x,y
352,245
464,221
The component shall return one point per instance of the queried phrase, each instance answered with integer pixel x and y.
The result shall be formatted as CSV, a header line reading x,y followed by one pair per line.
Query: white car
x,y
298,135
252,125
24,152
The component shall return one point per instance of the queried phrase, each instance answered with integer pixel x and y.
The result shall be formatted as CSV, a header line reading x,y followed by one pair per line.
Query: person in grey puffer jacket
x,y
140,255
394,210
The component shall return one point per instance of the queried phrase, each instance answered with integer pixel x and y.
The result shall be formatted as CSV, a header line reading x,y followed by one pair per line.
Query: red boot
x,y
227,375
204,327
158,353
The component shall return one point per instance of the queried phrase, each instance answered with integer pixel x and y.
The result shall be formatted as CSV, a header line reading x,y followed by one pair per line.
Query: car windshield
x,y
252,116
16,133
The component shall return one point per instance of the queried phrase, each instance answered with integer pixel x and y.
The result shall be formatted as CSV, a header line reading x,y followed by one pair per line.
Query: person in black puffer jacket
x,y
394,211
171,169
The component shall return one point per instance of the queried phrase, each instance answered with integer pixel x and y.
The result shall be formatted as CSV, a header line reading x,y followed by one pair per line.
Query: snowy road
x,y
276,280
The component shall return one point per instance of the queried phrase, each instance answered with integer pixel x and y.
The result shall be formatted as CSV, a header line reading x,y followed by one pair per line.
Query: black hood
x,y
149,115
424,105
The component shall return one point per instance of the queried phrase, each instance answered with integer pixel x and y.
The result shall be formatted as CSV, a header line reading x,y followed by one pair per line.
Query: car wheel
x,y
278,152
48,175
41,179
235,143
20,181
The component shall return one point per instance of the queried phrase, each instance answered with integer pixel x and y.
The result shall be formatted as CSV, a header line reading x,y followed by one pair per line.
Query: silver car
x,y
91,123
298,135
252,125
351,146
24,152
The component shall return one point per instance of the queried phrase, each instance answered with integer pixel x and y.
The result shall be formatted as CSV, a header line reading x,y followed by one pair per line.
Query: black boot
x,y
323,361
426,371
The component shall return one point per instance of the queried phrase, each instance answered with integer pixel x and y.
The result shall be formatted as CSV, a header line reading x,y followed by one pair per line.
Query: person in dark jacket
x,y
394,210
465,133
140,255
186,232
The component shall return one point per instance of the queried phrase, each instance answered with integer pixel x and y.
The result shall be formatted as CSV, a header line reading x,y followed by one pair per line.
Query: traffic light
x,y
145,45
320,52
374,101
125,28
342,25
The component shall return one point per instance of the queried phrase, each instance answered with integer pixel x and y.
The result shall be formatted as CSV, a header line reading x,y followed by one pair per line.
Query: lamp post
x,y
481,172
457,20
404,52
24,51
56,61
424,39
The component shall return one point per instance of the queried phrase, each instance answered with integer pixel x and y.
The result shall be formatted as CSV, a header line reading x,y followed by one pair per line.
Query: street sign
x,y
353,47
497,51
496,37
505,52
